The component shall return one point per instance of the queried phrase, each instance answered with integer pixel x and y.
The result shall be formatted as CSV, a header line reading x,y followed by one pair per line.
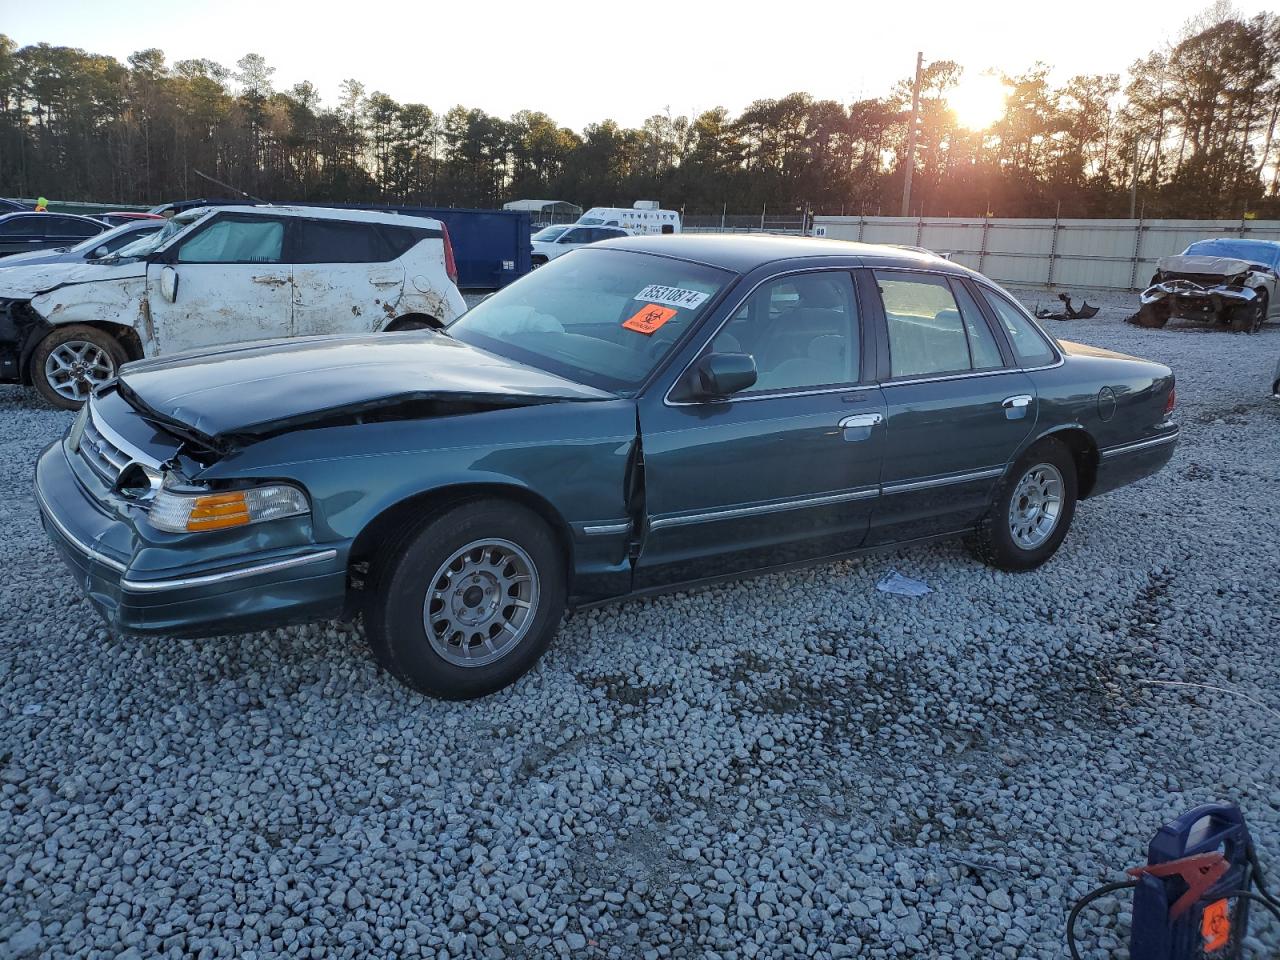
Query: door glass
x,y
926,333
332,241
18,227
67,227
1028,342
576,236
801,330
982,342
235,241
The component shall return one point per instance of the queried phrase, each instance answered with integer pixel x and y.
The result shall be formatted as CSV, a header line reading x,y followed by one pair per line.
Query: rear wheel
x,y
467,603
73,361
1152,315
1032,511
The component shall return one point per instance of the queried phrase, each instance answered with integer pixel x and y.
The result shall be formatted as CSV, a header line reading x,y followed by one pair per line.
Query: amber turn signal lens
x,y
218,511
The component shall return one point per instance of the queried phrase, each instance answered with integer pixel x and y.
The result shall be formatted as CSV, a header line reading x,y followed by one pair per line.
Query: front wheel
x,y
73,361
467,603
1251,317
1032,511
536,262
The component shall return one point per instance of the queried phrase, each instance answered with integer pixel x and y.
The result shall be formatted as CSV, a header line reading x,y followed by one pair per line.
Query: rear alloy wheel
x,y
1251,317
73,361
468,601
1032,512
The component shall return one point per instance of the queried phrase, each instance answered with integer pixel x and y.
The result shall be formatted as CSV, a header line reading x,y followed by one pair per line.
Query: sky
x,y
582,62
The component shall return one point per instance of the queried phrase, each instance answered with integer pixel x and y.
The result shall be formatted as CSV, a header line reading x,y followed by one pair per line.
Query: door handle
x,y
858,427
271,281
384,281
1015,408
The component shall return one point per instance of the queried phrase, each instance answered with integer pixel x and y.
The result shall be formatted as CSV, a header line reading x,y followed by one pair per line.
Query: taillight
x,y
450,265
1171,402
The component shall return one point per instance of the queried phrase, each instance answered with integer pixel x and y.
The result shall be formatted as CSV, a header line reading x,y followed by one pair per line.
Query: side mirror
x,y
169,284
718,375
99,253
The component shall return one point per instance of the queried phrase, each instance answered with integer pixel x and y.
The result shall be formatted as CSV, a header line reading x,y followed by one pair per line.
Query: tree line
x,y
1189,131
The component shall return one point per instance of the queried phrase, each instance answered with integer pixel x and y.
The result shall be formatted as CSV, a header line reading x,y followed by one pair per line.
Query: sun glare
x,y
979,101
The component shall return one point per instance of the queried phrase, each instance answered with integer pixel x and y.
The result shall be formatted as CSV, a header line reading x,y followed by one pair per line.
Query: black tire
x,y
1250,318
536,262
108,348
993,542
395,621
411,323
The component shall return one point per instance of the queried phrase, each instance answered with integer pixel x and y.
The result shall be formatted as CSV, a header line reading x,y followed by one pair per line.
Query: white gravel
x,y
797,765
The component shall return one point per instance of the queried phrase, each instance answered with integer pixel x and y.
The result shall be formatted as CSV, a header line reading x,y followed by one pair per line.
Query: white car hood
x,y
23,283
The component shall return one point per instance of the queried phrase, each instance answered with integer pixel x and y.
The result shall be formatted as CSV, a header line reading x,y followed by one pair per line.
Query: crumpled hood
x,y
248,389
24,282
1213,266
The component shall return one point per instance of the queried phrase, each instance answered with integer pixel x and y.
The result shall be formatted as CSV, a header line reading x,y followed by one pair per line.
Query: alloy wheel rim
x,y
1036,506
76,368
481,602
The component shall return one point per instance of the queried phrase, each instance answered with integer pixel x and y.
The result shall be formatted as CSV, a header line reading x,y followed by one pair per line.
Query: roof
x,y
327,213
10,214
538,205
743,253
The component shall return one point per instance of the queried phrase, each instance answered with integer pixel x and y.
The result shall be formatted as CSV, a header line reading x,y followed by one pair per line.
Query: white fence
x,y
1094,254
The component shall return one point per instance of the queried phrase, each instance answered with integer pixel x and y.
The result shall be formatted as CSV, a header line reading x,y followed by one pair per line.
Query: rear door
x,y
957,406
785,471
346,278
224,282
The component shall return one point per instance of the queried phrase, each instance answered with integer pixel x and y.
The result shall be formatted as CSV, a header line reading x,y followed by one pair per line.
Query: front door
x,y
346,278
957,408
224,283
787,470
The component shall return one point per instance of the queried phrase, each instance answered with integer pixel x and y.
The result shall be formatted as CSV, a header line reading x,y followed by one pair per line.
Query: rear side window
x,y
18,227
70,227
982,342
333,241
236,241
1029,344
927,333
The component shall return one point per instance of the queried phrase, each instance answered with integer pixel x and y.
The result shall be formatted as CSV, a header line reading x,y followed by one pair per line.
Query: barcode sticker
x,y
672,296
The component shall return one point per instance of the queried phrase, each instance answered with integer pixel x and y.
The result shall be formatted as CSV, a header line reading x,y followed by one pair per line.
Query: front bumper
x,y
206,597
1188,299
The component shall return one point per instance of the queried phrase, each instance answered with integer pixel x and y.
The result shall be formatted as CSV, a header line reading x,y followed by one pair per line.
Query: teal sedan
x,y
645,414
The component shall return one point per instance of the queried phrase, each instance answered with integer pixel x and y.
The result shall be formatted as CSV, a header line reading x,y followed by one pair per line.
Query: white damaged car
x,y
222,275
1226,281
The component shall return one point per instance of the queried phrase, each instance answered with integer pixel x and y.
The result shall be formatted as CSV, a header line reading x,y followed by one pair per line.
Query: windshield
x,y
605,318
153,241
549,233
1266,254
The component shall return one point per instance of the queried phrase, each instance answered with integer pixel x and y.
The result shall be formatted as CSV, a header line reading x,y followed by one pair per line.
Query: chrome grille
x,y
103,457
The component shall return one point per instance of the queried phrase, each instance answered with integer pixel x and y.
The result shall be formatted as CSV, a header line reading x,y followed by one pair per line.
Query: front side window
x,y
577,236
930,332
256,240
802,331
605,318
1029,345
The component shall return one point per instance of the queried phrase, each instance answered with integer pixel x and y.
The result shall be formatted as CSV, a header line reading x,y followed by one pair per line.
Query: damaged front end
x,y
1206,289
20,330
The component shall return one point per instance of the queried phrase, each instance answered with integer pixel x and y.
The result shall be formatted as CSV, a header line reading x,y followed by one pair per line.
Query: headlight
x,y
192,512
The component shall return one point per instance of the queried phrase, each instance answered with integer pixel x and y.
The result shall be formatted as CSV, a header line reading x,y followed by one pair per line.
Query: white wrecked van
x,y
221,275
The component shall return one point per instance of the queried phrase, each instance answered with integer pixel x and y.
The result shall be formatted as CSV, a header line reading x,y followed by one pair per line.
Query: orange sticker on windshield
x,y
649,319
1215,926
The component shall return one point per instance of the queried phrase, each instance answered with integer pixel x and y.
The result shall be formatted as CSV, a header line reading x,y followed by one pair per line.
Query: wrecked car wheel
x,y
1152,315
467,602
1032,512
72,362
1250,317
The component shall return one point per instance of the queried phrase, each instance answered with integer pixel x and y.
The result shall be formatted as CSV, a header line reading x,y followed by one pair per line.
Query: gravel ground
x,y
796,765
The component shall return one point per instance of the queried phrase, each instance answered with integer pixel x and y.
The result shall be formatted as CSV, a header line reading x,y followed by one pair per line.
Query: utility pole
x,y
911,136
1133,185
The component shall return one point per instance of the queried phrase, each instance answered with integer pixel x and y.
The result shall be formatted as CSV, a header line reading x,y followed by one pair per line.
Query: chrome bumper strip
x,y
272,566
